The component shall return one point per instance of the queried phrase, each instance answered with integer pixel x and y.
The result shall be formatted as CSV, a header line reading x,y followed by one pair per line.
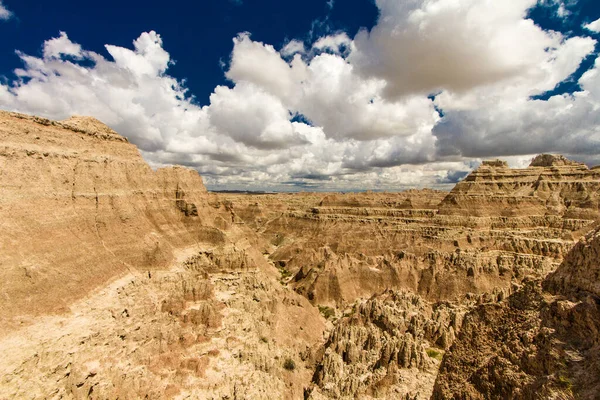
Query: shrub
x,y
289,364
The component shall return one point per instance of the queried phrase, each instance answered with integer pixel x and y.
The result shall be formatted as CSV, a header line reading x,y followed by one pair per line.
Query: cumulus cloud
x,y
419,100
57,47
5,13
593,26
293,47
423,46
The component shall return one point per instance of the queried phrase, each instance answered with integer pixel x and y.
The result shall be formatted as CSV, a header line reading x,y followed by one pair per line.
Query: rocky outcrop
x,y
551,185
335,248
123,282
542,342
495,237
79,207
580,272
386,347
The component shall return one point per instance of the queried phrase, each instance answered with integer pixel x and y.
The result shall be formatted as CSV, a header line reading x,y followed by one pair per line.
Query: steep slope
x,y
453,252
123,282
542,342
118,281
496,227
551,185
79,207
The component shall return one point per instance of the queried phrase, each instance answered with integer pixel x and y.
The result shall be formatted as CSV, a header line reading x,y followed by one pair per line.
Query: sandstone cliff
x,y
473,247
123,282
542,342
79,207
551,185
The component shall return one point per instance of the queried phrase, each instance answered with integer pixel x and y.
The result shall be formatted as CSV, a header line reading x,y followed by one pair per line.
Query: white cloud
x,y
293,47
262,65
371,122
57,47
5,13
253,117
423,46
335,43
593,26
348,106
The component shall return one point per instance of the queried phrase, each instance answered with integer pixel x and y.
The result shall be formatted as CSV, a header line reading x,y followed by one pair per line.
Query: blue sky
x,y
197,34
345,95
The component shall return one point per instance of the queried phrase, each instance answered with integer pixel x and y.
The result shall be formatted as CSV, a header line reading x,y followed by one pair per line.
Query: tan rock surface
x,y
123,282
542,342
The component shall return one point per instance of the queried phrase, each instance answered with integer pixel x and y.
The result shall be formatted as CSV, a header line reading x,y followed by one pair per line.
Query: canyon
x,y
120,281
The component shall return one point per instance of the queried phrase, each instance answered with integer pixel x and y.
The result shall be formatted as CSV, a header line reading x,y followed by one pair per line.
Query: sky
x,y
321,95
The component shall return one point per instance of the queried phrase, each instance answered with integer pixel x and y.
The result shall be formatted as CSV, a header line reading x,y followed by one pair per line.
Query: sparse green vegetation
x,y
327,312
434,353
284,273
289,364
264,339
564,382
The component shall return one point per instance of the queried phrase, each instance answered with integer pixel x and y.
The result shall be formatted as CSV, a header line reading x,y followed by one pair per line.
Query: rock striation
x,y
123,282
542,342
119,281
551,185
74,193
473,248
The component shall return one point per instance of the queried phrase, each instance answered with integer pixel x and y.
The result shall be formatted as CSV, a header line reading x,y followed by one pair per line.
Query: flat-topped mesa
x,y
551,185
79,206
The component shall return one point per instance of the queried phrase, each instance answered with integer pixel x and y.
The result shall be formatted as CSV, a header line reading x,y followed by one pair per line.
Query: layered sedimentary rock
x,y
542,342
75,193
496,231
123,282
496,227
118,281
551,185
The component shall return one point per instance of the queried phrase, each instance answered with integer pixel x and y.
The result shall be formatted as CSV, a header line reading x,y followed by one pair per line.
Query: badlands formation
x,y
118,281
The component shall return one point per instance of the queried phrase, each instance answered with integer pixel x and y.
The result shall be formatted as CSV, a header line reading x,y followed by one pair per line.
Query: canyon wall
x,y
119,281
79,207
543,342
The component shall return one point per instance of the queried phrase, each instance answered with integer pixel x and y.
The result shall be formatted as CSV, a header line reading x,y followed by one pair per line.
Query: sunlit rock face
x,y
121,281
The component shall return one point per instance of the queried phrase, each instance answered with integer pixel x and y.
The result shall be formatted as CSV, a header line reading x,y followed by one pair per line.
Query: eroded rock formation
x,y
543,342
123,282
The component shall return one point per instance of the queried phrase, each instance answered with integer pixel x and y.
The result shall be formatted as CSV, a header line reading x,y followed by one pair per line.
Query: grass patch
x,y
433,353
327,312
285,274
564,382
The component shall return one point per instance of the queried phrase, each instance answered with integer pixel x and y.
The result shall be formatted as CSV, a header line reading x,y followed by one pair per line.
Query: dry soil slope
x,y
79,206
542,342
118,281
